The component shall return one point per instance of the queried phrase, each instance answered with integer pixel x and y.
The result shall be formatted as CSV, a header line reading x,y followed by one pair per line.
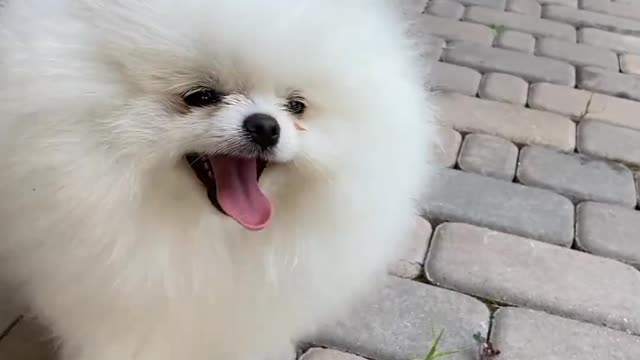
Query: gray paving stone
x,y
445,150
576,176
430,48
499,205
328,354
532,274
513,122
27,342
630,64
397,323
495,4
410,265
609,40
410,9
450,29
524,334
528,67
454,78
609,230
606,7
515,40
504,87
524,23
577,54
446,8
488,156
583,18
581,104
637,179
526,7
571,3
609,141
608,82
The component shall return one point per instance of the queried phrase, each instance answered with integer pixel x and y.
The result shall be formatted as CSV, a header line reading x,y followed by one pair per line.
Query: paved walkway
x,y
533,232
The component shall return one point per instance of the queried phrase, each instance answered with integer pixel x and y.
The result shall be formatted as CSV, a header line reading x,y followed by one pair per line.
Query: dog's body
x,y
106,228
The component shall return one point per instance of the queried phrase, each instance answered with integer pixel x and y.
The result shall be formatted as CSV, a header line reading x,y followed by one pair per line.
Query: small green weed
x,y
434,353
499,29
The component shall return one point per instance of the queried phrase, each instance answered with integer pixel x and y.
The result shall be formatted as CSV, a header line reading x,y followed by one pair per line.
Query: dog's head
x,y
248,97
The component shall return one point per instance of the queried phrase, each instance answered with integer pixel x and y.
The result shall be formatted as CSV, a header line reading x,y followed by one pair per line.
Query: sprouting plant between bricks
x,y
434,353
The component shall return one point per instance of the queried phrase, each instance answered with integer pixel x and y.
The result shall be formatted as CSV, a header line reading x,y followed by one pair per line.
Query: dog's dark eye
x,y
296,106
202,97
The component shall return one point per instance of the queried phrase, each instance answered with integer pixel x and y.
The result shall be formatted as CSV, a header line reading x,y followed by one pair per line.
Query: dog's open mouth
x,y
232,187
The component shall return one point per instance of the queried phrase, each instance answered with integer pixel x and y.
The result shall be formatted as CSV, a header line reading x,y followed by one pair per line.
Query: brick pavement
x,y
531,236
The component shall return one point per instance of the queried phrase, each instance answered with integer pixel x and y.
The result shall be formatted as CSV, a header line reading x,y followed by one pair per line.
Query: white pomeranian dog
x,y
204,179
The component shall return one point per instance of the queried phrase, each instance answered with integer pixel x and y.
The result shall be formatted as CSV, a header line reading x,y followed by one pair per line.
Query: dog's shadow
x,y
21,337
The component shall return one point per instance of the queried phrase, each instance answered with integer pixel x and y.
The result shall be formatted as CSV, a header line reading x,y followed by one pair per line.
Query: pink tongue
x,y
238,192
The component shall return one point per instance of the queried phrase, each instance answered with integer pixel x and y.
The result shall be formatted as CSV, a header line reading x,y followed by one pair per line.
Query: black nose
x,y
263,130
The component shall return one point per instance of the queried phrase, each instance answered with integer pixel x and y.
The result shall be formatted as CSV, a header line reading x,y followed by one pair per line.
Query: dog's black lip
x,y
202,167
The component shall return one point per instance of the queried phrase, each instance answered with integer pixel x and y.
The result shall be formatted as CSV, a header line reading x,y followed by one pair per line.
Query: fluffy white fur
x,y
106,229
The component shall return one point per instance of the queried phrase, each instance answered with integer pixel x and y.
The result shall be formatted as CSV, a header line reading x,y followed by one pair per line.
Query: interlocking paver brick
x,y
609,40
396,323
606,7
577,54
27,341
528,67
454,78
450,29
630,64
526,7
513,122
608,82
637,178
523,334
495,4
446,8
489,156
504,87
578,177
529,273
571,3
515,40
445,150
535,213
609,230
583,18
581,104
410,265
410,9
328,354
609,141
430,48
524,23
